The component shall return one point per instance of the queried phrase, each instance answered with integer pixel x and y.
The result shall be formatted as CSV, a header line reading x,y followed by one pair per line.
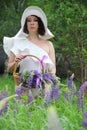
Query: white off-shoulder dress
x,y
24,46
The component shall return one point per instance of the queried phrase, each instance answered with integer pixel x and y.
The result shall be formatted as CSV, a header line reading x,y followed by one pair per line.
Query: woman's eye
x,y
34,20
28,20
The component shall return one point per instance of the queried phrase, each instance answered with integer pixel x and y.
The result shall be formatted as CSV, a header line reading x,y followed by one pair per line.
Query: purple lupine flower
x,y
35,78
42,85
81,96
47,77
19,93
30,98
37,83
4,109
4,95
4,102
70,81
72,89
80,101
34,83
54,93
83,87
84,122
0,96
29,82
47,96
85,114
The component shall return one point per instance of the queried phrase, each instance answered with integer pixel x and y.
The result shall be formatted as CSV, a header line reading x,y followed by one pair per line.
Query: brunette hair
x,y
41,29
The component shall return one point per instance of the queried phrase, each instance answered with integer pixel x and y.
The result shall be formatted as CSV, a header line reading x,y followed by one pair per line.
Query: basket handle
x,y
15,75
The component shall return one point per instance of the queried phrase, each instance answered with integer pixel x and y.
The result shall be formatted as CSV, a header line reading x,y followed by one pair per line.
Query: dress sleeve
x,y
15,49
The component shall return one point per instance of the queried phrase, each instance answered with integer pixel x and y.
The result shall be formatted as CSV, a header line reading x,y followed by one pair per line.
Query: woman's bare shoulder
x,y
50,44
47,42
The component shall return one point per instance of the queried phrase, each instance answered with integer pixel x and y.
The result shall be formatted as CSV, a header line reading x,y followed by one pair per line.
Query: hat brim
x,y
34,10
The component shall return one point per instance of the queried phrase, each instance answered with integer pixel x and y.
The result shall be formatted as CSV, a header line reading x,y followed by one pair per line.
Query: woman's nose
x,y
32,22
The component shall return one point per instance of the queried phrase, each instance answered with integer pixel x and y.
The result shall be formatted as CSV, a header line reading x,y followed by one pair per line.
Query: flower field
x,y
63,110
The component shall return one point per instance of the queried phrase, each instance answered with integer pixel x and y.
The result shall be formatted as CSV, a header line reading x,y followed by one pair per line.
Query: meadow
x,y
67,112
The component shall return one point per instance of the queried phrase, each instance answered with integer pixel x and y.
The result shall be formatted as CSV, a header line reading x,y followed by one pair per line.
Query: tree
x,y
70,35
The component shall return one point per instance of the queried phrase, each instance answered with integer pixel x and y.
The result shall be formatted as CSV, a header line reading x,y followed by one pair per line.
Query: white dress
x,y
24,46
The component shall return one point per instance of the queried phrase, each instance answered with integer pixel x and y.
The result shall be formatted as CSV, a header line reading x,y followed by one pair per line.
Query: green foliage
x,y
10,17
84,53
7,82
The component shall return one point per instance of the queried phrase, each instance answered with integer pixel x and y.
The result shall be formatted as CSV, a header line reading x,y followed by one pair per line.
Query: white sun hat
x,y
32,10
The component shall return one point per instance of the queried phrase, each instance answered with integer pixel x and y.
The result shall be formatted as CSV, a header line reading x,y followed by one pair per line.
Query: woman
x,y
31,39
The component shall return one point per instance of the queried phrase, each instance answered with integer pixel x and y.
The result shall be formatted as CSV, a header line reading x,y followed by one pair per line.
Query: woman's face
x,y
32,24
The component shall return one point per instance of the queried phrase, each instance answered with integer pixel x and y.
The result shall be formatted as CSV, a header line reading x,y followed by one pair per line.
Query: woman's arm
x,y
12,60
52,56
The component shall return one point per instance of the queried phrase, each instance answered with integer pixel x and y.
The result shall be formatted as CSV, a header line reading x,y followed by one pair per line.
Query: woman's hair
x,y
41,29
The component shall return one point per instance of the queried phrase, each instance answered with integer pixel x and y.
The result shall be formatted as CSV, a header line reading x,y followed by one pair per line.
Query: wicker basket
x,y
15,74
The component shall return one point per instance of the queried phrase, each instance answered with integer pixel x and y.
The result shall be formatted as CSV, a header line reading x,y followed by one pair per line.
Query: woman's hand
x,y
19,57
12,60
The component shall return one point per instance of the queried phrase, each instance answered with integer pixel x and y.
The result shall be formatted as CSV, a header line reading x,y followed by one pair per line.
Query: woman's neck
x,y
33,37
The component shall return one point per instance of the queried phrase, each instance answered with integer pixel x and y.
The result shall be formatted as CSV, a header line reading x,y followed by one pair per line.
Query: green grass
x,y
7,81
34,117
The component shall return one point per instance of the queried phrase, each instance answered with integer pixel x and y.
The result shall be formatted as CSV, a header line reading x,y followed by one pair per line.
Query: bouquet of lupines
x,y
35,79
